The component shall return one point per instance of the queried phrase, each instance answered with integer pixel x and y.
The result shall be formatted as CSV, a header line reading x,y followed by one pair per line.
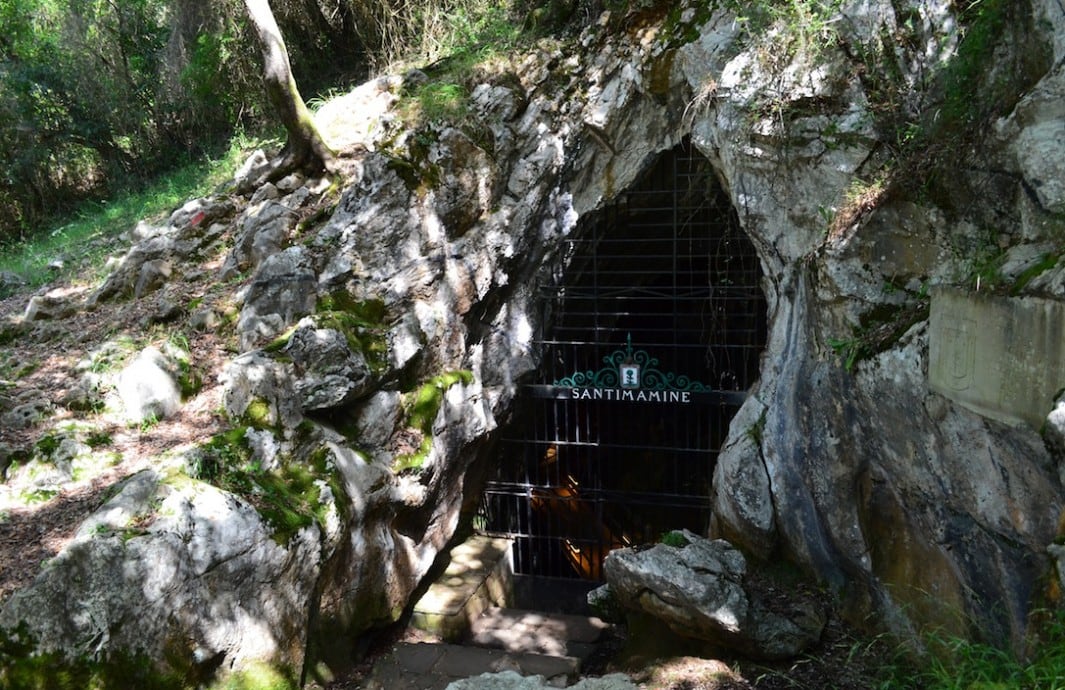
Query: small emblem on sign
x,y
630,375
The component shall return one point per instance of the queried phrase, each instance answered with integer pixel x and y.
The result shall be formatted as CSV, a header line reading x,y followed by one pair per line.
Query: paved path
x,y
466,609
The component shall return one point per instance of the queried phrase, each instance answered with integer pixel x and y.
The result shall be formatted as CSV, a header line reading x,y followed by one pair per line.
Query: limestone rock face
x,y
283,291
157,569
420,279
700,590
329,373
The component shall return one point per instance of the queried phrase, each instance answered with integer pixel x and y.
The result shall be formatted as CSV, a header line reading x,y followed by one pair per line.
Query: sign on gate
x,y
630,376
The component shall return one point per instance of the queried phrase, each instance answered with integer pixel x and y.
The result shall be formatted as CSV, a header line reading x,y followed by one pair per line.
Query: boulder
x,y
153,275
26,412
48,306
158,250
703,590
328,373
263,231
260,391
147,388
185,574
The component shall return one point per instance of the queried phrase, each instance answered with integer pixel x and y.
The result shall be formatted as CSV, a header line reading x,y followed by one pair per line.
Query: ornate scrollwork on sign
x,y
628,368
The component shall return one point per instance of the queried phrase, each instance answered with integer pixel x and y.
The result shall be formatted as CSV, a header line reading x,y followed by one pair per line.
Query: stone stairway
x,y
473,630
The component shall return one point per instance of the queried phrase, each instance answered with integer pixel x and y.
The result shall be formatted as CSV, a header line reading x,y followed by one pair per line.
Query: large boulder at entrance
x,y
703,590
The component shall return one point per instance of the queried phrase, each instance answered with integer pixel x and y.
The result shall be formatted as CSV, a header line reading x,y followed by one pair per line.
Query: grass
x,y
82,241
958,664
457,49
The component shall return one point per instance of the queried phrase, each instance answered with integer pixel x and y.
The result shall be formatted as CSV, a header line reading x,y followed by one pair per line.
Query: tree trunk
x,y
305,149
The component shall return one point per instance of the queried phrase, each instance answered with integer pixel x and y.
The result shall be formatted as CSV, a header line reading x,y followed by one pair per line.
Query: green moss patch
x,y
1045,263
289,497
21,668
421,407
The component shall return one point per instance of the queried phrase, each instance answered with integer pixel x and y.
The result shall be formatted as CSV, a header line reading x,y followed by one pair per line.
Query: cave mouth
x,y
651,338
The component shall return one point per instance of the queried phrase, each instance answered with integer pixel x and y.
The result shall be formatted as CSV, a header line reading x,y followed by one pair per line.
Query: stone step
x,y
478,577
432,666
518,631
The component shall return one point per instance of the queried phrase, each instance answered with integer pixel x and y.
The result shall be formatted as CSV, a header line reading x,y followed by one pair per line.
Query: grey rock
x,y
197,570
702,590
265,192
41,307
165,310
377,417
466,190
7,456
256,385
284,290
290,183
253,168
26,414
263,230
328,373
742,495
147,388
196,218
10,281
205,319
153,275
189,231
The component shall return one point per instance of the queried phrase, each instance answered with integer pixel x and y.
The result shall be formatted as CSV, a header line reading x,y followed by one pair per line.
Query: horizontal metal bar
x,y
713,397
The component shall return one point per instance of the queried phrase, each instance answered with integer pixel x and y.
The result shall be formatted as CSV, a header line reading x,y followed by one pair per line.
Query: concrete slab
x,y
1002,357
535,632
433,665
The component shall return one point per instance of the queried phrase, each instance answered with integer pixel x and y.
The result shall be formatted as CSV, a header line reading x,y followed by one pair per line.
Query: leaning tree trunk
x,y
306,149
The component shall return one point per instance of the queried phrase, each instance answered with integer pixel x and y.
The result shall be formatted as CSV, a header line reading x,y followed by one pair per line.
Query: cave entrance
x,y
653,336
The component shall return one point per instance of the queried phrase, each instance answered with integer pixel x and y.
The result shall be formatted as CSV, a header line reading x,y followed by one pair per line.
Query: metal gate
x,y
654,334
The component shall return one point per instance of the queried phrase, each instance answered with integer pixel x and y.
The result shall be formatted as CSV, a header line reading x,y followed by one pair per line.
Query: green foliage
x,y
86,236
756,432
785,28
362,323
849,349
257,677
23,668
98,439
1045,263
150,421
421,407
65,71
959,664
463,41
466,31
441,101
675,539
47,445
288,497
188,378
967,98
997,60
881,327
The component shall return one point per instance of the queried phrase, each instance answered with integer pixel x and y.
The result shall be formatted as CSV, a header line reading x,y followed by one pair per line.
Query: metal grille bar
x,y
664,271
